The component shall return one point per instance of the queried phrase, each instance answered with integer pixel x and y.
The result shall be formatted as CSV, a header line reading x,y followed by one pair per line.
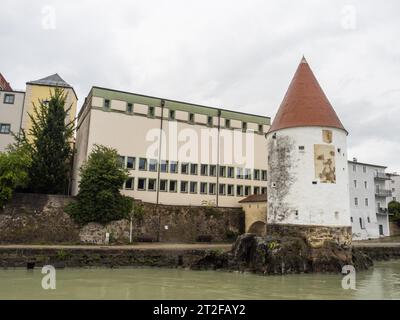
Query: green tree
x,y
99,198
14,167
394,209
49,141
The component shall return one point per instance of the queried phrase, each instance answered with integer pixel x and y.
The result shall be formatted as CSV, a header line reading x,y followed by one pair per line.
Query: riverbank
x,y
171,255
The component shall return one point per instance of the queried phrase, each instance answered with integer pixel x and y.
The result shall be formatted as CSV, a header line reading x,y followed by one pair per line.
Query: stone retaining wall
x,y
315,236
36,218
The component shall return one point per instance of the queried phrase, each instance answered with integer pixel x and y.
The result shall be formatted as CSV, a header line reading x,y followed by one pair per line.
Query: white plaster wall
x,y
317,204
10,114
127,134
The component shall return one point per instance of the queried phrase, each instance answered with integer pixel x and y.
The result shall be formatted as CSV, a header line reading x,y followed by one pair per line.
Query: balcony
x,y
382,211
379,192
381,176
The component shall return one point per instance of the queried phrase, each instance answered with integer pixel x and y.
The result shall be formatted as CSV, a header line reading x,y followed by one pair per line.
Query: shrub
x,y
99,198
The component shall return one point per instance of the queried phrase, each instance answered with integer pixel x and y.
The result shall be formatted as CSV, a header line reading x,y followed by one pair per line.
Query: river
x,y
381,282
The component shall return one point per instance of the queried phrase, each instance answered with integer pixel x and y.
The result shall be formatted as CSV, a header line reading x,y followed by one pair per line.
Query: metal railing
x,y
383,192
381,176
382,211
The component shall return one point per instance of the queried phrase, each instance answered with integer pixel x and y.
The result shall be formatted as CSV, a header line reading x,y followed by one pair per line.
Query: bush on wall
x,y
99,198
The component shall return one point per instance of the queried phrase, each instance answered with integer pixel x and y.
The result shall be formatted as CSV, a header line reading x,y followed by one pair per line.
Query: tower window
x,y
301,148
107,104
227,123
129,107
171,114
191,117
244,126
151,112
209,120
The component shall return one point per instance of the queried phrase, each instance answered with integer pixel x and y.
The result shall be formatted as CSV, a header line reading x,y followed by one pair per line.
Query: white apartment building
x,y
369,197
11,110
393,184
207,155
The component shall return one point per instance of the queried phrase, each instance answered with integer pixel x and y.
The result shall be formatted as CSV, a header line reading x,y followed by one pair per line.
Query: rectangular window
x,y
366,202
173,167
369,220
173,185
247,174
244,126
191,117
193,168
121,161
184,187
171,114
365,184
256,174
153,165
204,169
203,187
184,168
151,185
211,188
193,187
231,172
227,123
364,169
5,128
256,190
239,191
247,190
150,111
130,162
260,128
129,108
9,98
356,201
209,121
354,168
264,190
222,171
164,166
351,219
213,170
230,190
264,175
239,173
163,185
106,103
143,164
355,183
222,189
141,184
129,183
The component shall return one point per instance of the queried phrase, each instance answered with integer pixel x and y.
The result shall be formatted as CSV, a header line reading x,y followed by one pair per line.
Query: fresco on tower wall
x,y
324,163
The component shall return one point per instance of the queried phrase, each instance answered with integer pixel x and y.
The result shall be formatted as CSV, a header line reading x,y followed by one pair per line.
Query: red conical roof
x,y
305,104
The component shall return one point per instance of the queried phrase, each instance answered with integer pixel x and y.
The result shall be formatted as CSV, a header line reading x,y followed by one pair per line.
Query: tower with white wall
x,y
307,165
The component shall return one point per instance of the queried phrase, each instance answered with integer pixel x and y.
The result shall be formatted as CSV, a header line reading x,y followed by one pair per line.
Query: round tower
x,y
307,165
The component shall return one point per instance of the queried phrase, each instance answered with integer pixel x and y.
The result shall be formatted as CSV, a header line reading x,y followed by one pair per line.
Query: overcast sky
x,y
238,55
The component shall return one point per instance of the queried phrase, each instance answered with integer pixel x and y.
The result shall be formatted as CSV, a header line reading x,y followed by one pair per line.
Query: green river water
x,y
381,282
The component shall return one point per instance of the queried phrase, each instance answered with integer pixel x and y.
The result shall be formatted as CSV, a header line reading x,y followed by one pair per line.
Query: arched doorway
x,y
257,228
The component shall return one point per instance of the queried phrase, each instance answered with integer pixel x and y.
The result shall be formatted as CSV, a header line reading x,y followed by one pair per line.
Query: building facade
x,y
369,197
393,184
11,110
177,153
307,162
40,90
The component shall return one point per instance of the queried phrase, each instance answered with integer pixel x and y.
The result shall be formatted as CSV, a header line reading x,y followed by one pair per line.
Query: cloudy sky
x,y
238,55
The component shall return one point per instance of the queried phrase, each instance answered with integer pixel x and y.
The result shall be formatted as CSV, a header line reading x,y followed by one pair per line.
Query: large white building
x,y
369,197
207,155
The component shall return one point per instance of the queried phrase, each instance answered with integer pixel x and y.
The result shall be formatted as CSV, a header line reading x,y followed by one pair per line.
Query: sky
x,y
238,55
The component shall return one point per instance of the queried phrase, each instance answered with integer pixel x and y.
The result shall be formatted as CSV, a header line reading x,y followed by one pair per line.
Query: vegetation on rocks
x,y
394,209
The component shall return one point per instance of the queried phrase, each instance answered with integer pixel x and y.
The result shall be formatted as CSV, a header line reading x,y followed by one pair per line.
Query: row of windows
x,y
355,182
366,201
193,168
193,187
9,98
364,168
361,222
5,128
171,116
